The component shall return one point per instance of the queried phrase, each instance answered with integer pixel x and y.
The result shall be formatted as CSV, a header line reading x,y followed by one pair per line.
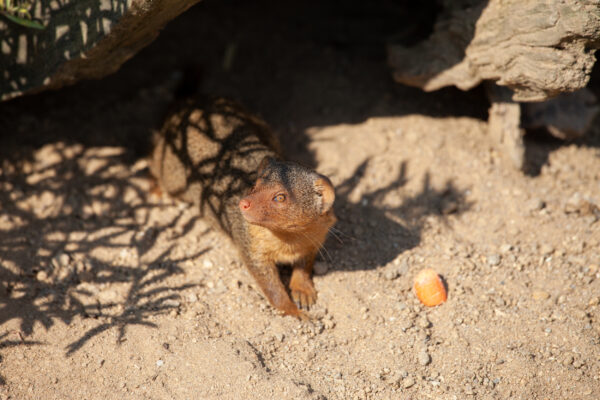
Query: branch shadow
x,y
380,232
74,221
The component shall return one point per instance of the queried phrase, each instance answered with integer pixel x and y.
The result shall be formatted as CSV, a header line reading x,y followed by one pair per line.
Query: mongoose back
x,y
227,162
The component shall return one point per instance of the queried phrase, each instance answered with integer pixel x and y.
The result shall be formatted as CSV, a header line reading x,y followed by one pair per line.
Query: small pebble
x,y
405,323
506,248
493,260
171,303
535,205
424,358
469,390
234,284
403,267
574,203
192,298
580,314
546,249
423,322
320,268
328,324
64,260
42,276
568,360
408,382
160,363
539,295
390,274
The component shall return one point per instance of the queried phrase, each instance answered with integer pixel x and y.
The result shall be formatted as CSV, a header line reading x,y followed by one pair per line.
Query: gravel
x,y
424,358
540,295
408,382
493,260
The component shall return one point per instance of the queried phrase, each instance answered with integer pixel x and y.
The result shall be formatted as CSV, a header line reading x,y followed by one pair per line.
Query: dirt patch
x,y
107,290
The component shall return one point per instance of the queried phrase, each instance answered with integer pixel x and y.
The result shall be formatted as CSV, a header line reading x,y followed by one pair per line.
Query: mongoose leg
x,y
267,277
301,284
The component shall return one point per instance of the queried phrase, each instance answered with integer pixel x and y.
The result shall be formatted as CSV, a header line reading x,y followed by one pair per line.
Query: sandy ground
x,y
106,291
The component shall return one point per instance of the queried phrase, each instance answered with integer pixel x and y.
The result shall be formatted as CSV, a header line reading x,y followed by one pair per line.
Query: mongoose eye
x,y
280,198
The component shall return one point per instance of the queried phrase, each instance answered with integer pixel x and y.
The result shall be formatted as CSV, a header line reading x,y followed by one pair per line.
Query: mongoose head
x,y
288,198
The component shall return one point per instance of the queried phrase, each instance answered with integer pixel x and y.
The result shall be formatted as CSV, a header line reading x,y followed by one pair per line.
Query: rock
x,y
567,360
578,204
390,274
402,269
408,382
423,322
61,260
469,390
81,40
540,295
546,249
192,298
405,323
493,260
42,276
535,204
320,268
481,40
424,358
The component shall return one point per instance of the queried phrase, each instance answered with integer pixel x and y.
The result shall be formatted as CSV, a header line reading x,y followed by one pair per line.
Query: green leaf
x,y
24,22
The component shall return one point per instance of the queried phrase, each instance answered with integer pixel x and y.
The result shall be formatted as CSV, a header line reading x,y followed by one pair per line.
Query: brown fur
x,y
227,162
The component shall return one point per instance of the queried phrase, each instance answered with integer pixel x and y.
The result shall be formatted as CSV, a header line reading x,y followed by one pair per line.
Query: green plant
x,y
18,12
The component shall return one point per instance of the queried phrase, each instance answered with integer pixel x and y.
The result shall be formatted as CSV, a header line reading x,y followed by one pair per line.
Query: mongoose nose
x,y
244,204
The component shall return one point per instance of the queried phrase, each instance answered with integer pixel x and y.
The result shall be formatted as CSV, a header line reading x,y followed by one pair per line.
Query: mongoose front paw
x,y
303,292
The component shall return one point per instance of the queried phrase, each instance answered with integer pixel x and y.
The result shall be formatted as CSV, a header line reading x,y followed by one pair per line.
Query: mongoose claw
x,y
304,297
295,312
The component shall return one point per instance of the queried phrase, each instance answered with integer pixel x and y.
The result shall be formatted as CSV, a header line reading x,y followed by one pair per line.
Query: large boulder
x,y
82,39
537,48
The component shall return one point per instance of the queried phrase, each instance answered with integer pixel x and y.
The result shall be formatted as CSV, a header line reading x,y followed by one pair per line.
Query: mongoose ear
x,y
325,190
264,164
